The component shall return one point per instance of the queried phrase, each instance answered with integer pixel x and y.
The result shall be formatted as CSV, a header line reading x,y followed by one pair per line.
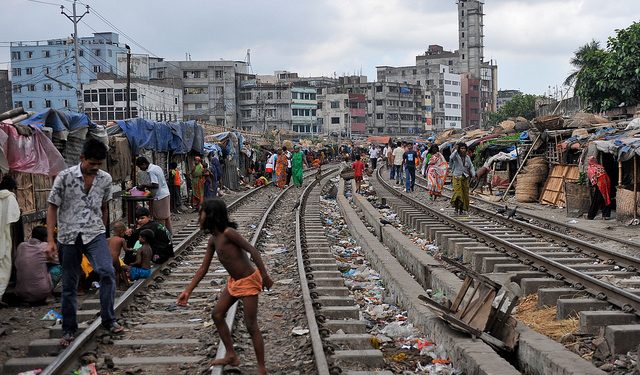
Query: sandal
x,y
67,339
116,328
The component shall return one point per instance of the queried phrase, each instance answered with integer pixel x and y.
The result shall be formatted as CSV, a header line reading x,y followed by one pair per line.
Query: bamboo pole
x,y
619,173
524,161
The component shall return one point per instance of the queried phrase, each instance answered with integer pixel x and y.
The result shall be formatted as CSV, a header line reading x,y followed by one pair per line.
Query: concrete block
x,y
16,365
592,267
150,361
442,235
450,244
622,338
550,296
352,340
592,321
531,285
459,247
328,281
340,312
331,291
347,325
370,358
571,307
335,300
512,267
489,263
333,273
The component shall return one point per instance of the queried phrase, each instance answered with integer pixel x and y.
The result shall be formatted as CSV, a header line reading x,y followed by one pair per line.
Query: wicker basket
x,y
625,205
552,122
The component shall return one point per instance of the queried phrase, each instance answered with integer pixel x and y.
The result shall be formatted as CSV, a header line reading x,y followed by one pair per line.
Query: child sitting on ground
x,y
141,268
245,282
117,244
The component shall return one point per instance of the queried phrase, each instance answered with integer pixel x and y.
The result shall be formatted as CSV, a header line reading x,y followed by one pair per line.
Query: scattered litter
x,y
51,315
573,222
279,250
31,372
207,324
299,331
284,281
89,369
253,226
194,320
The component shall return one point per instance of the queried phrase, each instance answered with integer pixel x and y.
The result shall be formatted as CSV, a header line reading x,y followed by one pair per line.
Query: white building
x,y
105,99
333,112
452,98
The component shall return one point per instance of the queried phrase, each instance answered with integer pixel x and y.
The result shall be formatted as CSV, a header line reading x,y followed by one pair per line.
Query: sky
x,y
532,41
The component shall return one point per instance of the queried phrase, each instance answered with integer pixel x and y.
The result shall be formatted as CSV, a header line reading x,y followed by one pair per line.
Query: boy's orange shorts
x,y
248,286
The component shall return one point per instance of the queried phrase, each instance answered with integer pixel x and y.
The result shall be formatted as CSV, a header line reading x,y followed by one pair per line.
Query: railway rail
x,y
160,335
516,246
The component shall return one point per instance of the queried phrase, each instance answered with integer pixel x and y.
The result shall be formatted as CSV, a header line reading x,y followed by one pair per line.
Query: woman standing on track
x,y
281,168
436,171
462,171
601,184
297,163
197,184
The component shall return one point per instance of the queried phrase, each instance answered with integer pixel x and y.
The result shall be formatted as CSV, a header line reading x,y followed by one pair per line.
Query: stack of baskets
x,y
531,179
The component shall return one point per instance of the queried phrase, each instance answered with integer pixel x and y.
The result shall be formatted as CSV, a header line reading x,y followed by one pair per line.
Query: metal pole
x,y
128,82
75,19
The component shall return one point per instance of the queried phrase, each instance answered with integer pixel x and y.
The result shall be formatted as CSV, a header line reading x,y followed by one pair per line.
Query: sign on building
x,y
139,65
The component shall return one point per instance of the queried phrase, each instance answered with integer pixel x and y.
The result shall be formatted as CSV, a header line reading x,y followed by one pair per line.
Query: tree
x,y
579,60
609,78
520,105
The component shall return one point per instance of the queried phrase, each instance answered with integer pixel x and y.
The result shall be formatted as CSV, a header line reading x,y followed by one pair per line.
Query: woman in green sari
x,y
197,184
297,162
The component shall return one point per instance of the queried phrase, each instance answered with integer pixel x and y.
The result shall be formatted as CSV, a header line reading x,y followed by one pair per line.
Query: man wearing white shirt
x,y
373,156
161,208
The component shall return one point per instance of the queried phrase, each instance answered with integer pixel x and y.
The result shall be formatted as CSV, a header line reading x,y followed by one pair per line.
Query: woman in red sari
x,y
281,168
601,185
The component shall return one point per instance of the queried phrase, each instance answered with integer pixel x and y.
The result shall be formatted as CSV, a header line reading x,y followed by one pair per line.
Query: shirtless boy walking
x,y
245,282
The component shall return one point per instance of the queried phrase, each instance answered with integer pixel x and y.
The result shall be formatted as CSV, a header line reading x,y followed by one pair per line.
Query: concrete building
x,y
160,100
6,103
471,37
209,88
264,104
304,106
470,90
43,74
333,112
452,98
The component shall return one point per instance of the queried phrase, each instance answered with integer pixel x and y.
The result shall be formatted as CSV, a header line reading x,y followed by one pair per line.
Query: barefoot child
x,y
116,244
245,282
141,268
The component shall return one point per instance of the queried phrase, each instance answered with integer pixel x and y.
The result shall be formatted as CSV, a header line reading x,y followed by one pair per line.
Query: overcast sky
x,y
531,40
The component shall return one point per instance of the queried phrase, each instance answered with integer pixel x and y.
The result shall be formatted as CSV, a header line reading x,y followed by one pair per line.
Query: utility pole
x,y
75,19
128,81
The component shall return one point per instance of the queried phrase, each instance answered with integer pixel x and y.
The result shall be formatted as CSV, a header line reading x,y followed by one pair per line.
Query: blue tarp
x,y
176,137
59,120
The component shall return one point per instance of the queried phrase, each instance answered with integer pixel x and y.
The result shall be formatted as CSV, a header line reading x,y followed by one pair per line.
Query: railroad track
x,y
547,223
160,336
553,264
338,335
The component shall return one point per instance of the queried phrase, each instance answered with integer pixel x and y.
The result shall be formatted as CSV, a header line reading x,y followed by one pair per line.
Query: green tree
x,y
580,59
611,77
521,105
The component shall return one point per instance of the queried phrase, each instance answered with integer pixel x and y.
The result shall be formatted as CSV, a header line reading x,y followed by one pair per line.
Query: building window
x,y
195,90
218,74
378,88
463,34
196,74
17,72
335,104
29,71
278,95
46,54
17,104
47,87
46,70
294,95
379,102
379,116
81,53
65,103
29,54
269,95
110,53
96,52
31,87
463,56
17,89
47,103
219,90
97,68
134,95
15,55
175,100
245,113
335,120
198,106
244,96
30,104
118,95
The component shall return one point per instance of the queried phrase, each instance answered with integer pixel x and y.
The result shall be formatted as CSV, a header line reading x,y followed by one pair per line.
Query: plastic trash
x,y
194,320
284,281
31,372
278,250
51,315
299,331
89,369
397,329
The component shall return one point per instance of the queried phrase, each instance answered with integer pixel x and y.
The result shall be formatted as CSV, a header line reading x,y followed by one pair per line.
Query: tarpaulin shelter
x,y
174,137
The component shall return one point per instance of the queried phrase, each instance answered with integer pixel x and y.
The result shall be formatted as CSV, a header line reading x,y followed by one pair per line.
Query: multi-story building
x,y
333,112
209,88
452,98
5,91
505,96
304,106
105,99
470,100
264,104
43,74
471,37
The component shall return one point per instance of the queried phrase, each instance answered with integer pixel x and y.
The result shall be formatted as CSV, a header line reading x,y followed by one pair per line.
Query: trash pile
x,y
405,349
